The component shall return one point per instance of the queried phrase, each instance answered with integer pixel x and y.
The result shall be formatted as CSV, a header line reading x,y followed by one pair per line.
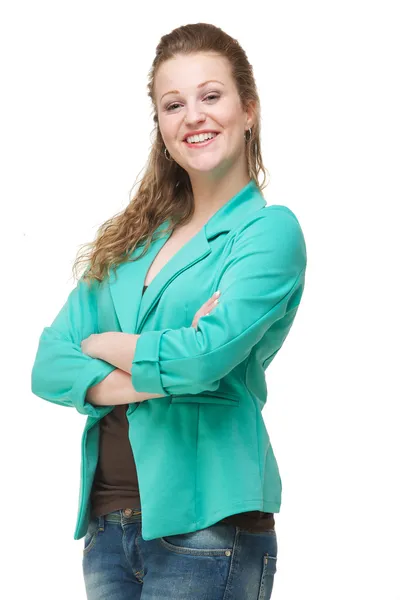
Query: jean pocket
x,y
267,577
91,536
211,541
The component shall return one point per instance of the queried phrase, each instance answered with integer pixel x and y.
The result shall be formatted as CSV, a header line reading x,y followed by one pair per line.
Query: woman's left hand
x,y
91,345
114,347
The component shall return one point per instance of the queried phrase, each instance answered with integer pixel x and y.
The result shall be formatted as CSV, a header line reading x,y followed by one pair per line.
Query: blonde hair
x,y
165,191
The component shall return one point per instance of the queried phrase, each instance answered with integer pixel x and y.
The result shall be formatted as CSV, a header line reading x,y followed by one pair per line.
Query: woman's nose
x,y
194,115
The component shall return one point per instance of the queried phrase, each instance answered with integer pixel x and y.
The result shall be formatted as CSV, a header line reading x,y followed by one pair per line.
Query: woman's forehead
x,y
185,74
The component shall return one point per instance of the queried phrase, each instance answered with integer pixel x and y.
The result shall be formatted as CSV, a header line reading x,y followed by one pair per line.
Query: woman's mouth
x,y
201,144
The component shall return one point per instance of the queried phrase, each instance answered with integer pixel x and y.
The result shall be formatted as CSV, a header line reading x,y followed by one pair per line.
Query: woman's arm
x,y
114,347
119,348
115,389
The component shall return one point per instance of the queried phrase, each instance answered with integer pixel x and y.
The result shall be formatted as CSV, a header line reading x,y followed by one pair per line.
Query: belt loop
x,y
101,522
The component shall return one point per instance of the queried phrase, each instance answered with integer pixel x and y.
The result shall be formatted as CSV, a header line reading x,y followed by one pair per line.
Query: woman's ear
x,y
251,111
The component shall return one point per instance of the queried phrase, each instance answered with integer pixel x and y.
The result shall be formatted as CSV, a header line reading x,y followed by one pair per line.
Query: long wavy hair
x,y
165,190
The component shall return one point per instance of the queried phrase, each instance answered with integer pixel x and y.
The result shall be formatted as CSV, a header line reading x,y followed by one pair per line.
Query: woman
x,y
171,378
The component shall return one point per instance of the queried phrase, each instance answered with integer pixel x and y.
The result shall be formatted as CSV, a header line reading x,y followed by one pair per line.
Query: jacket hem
x,y
260,504
263,506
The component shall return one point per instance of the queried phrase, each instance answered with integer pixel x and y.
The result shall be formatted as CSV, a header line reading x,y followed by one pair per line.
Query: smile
x,y
201,144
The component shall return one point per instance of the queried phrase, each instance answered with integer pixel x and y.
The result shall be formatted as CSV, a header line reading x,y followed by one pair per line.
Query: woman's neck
x,y
209,197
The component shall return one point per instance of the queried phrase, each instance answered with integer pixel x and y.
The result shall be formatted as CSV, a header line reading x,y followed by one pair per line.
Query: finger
x,y
214,303
214,297
209,308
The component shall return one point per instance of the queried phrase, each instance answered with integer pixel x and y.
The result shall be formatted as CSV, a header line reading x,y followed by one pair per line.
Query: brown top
x,y
115,483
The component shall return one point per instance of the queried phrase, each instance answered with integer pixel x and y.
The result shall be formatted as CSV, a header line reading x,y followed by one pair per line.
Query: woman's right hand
x,y
206,308
202,312
143,396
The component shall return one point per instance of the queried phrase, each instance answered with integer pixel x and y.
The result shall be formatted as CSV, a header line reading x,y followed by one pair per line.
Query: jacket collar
x,y
126,288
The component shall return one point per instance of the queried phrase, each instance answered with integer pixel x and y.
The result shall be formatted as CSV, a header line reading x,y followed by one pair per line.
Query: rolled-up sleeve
x,y
263,272
61,372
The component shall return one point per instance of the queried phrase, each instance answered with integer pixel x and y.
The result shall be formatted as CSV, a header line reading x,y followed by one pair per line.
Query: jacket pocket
x,y
206,398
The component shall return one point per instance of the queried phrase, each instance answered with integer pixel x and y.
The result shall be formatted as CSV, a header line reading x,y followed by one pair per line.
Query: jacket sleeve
x,y
61,372
264,270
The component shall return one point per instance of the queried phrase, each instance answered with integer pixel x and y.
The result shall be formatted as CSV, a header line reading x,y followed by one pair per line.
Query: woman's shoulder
x,y
271,218
274,228
272,209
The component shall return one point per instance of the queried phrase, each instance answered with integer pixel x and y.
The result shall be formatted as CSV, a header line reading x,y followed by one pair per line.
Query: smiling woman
x,y
194,108
185,481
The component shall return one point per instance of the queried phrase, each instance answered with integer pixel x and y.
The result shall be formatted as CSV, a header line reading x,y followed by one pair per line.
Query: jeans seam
x,y
124,545
228,593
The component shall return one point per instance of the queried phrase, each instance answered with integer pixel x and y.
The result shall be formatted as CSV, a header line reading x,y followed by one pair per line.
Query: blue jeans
x,y
221,562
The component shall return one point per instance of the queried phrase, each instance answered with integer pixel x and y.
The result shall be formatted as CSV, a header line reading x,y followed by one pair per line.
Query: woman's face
x,y
185,104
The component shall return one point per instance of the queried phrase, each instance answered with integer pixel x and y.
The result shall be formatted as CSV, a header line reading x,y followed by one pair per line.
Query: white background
x,y
75,133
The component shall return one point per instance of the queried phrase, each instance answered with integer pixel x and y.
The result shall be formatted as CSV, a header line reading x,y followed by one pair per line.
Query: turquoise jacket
x,y
202,451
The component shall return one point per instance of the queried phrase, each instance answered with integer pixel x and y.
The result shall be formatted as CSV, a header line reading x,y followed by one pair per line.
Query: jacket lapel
x,y
126,286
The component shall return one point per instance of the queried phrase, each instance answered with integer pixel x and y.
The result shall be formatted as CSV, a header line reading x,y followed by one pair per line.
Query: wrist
x,y
114,389
100,343
116,348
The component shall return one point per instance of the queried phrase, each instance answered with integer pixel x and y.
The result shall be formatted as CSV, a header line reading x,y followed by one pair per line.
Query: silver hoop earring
x,y
245,135
165,154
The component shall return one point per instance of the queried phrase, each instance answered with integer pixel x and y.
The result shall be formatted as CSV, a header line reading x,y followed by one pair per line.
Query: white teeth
x,y
200,138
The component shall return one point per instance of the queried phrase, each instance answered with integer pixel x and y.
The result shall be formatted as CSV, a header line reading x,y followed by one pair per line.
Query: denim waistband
x,y
122,516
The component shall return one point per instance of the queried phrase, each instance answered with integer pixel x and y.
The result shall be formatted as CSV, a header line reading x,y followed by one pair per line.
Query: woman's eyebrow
x,y
199,86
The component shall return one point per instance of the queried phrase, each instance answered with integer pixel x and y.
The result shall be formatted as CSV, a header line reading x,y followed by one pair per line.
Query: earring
x,y
245,135
165,154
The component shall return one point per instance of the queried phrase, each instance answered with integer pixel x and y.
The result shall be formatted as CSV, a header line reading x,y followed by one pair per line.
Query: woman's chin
x,y
202,164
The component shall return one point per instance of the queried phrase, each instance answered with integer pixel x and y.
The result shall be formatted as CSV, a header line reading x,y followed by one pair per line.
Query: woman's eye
x,y
206,98
171,105
215,95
